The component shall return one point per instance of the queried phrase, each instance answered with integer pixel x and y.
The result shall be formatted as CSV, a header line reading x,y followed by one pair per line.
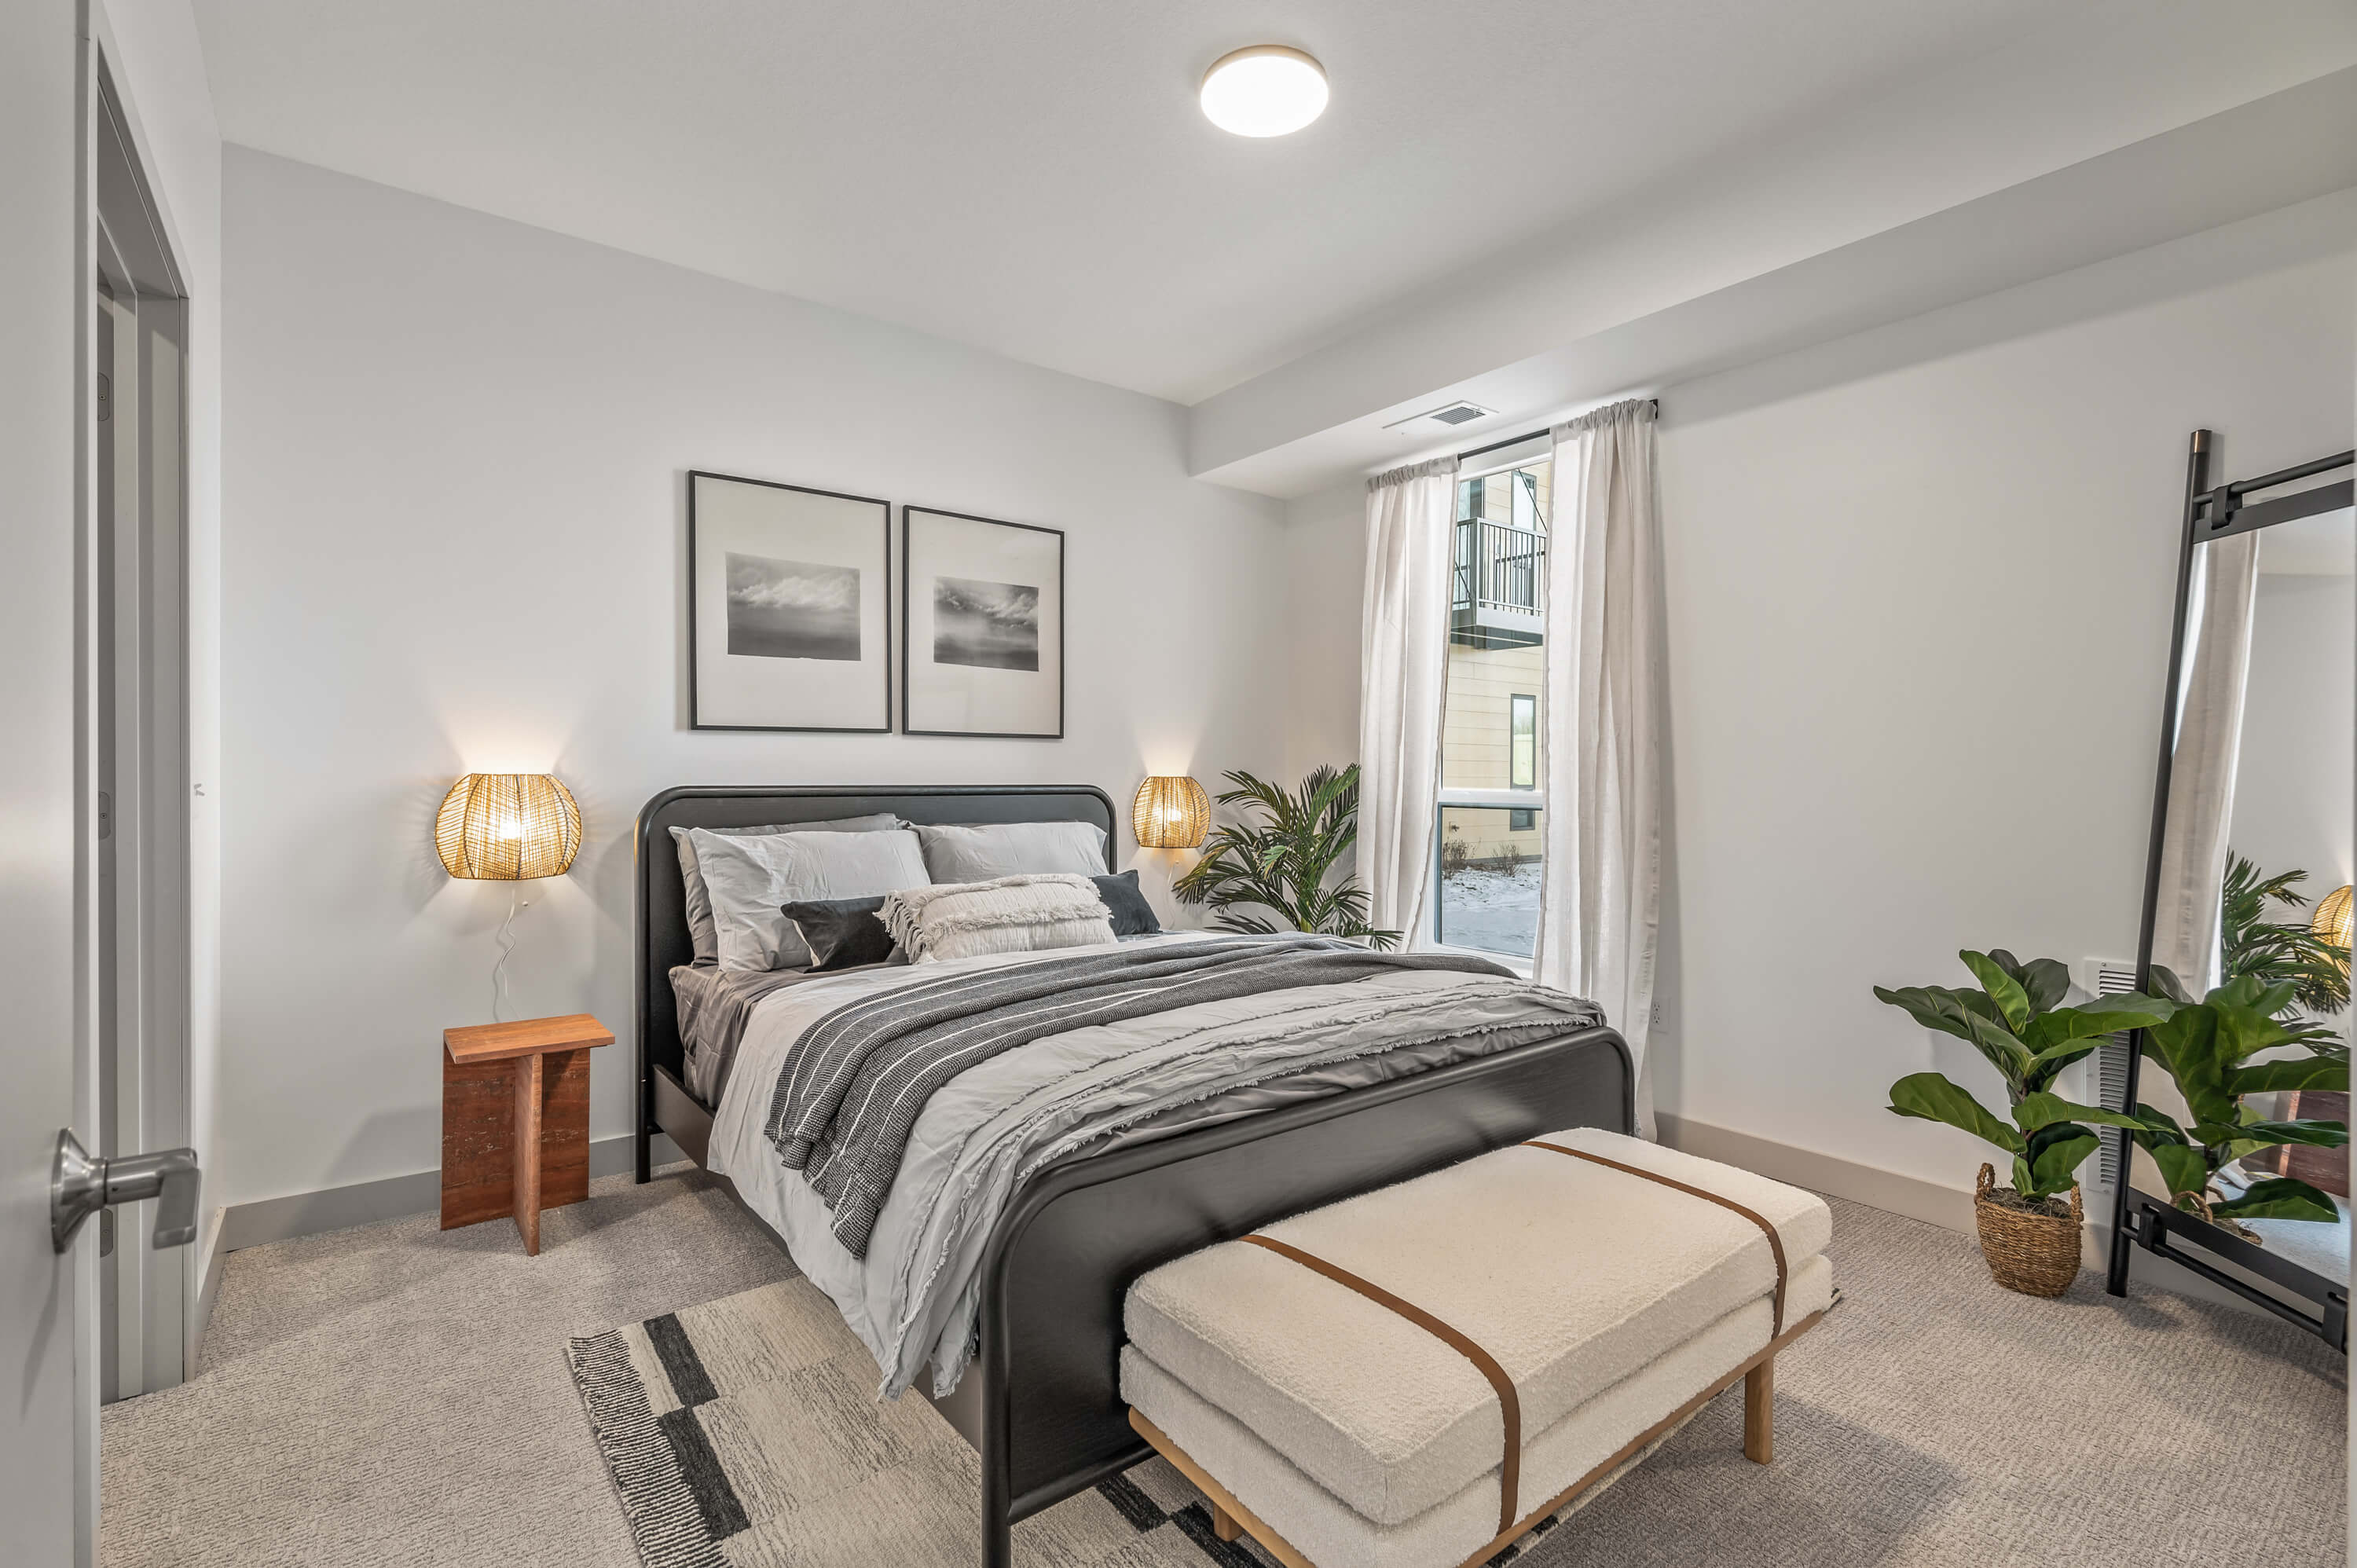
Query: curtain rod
x,y
1533,436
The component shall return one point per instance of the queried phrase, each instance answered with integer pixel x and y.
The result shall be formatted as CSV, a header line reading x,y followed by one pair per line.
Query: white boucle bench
x,y
1415,1377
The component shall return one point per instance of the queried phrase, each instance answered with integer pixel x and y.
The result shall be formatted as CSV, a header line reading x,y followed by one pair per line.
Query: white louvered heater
x,y
2109,977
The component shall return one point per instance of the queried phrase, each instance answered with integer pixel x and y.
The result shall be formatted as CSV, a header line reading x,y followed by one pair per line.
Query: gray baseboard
x,y
1949,1208
366,1203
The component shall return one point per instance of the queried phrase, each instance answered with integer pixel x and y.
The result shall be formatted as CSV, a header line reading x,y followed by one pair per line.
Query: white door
x,y
48,1301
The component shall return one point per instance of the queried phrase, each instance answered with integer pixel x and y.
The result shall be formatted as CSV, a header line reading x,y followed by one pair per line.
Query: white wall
x,y
2293,788
1920,583
455,541
1325,585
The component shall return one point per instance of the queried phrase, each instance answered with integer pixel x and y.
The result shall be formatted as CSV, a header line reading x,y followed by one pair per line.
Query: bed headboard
x,y
661,903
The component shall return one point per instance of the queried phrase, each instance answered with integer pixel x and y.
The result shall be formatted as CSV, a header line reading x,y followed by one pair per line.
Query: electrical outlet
x,y
1659,1013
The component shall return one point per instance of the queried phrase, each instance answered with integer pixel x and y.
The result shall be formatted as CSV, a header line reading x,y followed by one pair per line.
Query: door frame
x,y
120,221
137,687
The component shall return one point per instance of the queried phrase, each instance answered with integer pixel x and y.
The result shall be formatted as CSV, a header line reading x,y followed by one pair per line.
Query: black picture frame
x,y
696,681
908,666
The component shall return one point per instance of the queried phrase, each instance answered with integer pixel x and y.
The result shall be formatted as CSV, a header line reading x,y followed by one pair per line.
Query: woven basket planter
x,y
2037,1254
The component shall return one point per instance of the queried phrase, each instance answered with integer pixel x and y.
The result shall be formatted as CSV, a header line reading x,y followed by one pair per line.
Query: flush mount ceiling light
x,y
1266,90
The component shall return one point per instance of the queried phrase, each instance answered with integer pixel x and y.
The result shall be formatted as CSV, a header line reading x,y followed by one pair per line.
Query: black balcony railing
x,y
1498,583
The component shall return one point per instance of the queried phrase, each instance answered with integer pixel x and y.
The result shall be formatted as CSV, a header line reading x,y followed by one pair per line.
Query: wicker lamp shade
x,y
507,827
2332,921
1171,812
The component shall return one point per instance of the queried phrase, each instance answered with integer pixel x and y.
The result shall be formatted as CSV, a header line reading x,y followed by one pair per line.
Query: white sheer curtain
x,y
1599,904
1403,673
2220,603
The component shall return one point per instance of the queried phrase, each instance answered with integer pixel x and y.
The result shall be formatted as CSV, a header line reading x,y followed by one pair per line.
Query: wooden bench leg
x,y
1759,1412
1225,1528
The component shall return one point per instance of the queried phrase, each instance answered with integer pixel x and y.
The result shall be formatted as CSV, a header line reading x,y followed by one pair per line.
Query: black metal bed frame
x,y
2211,513
1040,1402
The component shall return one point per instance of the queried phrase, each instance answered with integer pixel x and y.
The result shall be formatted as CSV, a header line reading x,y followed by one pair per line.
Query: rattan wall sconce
x,y
2332,921
1171,811
507,827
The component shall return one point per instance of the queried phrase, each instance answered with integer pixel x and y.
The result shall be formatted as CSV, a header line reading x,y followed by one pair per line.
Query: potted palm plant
x,y
2274,950
2016,1020
1281,860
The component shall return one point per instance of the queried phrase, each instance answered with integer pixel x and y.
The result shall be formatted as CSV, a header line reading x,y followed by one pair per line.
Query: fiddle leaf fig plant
x,y
2017,1021
2205,1047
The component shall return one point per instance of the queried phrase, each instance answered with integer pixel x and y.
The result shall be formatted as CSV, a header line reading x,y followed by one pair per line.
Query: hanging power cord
x,y
516,901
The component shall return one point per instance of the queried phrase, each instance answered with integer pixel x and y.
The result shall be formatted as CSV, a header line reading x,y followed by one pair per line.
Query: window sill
x,y
1526,968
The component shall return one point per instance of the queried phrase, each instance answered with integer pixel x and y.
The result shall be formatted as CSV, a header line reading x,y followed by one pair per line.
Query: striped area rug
x,y
745,1434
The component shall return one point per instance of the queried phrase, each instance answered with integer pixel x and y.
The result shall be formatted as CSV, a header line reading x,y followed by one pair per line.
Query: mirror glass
x,y
2287,834
2254,871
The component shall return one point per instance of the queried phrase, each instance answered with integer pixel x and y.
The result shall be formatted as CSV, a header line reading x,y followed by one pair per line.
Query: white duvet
x,y
913,1298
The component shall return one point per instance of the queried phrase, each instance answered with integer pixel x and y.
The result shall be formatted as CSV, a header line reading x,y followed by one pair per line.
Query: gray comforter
x,y
854,1083
913,1298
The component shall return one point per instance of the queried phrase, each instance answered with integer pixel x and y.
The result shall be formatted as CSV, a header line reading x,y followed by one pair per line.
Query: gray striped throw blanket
x,y
854,1083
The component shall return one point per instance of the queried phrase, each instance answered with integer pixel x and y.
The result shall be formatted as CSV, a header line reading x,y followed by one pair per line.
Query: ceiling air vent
x,y
1448,414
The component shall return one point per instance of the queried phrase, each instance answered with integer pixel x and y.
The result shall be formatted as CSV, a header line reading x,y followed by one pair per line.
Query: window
x,y
1492,760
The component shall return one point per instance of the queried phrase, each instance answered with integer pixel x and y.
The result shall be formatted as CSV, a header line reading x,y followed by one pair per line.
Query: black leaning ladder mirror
x,y
2246,887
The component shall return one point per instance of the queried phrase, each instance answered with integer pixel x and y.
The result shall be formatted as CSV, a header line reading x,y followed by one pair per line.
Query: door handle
x,y
80,1187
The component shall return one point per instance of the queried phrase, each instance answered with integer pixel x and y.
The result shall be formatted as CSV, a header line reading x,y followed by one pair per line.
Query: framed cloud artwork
x,y
788,606
981,627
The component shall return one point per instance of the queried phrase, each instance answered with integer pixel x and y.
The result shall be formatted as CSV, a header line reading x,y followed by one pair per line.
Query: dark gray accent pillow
x,y
702,930
841,933
1132,915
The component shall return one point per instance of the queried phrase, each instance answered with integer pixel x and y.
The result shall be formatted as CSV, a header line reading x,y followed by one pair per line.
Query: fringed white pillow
x,y
1010,914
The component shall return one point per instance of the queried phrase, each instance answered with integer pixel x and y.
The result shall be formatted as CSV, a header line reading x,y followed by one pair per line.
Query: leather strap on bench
x,y
1510,1405
1775,1242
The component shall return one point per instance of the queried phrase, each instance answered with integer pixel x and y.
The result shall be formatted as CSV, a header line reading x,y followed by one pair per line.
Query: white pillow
x,y
752,880
1010,914
987,851
700,934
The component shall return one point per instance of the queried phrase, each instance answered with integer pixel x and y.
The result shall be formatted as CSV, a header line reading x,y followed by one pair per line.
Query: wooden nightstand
x,y
516,1119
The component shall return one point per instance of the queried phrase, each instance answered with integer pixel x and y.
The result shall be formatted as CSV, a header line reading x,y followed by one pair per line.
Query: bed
x,y
1039,1401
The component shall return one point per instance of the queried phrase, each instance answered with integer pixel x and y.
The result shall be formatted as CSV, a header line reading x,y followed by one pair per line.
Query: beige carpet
x,y
745,1434
394,1395
397,1395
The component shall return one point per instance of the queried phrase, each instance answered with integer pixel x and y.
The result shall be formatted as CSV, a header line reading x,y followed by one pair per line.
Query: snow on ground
x,y
1496,911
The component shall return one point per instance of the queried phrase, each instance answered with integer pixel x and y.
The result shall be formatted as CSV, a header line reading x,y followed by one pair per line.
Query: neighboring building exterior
x,y
1492,732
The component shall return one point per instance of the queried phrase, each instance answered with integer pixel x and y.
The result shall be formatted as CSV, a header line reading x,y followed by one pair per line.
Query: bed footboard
x,y
1064,1254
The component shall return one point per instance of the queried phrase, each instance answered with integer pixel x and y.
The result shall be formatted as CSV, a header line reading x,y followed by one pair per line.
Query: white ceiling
x,y
1643,307
1033,176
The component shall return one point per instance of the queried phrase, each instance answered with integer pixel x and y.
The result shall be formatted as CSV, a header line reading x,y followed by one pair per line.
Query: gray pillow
x,y
987,851
699,900
751,879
